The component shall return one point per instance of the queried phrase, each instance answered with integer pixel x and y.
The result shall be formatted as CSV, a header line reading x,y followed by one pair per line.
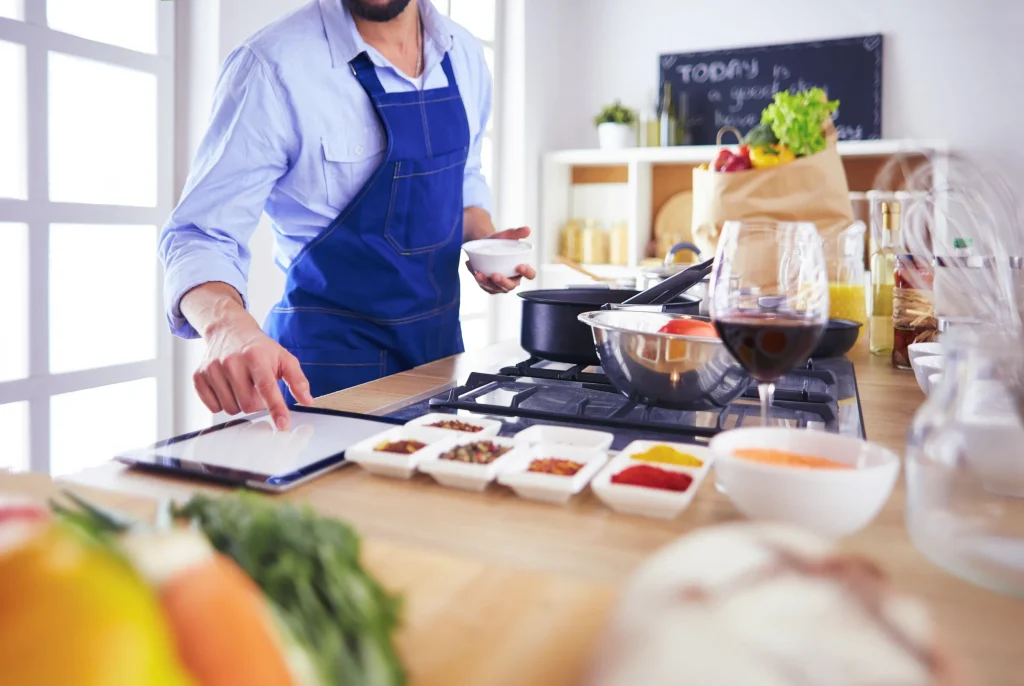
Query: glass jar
x,y
844,259
913,314
965,466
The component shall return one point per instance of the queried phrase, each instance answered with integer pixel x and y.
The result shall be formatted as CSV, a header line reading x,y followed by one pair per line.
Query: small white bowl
x,y
831,503
925,366
488,427
929,349
564,435
470,477
551,488
497,255
395,465
643,501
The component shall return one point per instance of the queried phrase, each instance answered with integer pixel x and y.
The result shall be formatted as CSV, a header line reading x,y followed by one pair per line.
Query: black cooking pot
x,y
551,328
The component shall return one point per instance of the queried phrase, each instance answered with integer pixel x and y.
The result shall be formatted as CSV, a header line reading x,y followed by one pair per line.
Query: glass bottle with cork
x,y
883,272
913,309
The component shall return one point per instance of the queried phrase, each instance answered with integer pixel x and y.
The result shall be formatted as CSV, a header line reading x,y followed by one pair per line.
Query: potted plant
x,y
615,127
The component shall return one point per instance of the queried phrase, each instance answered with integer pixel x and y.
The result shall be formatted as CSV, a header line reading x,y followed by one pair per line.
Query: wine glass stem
x,y
766,391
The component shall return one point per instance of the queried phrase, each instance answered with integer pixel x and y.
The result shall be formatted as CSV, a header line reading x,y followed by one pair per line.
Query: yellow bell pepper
x,y
785,154
762,157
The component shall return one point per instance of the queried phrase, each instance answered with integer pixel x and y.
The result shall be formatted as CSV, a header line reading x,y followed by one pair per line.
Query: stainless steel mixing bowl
x,y
667,370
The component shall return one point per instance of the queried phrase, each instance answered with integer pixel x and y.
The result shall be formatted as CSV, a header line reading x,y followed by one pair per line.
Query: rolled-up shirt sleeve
x,y
245,150
475,191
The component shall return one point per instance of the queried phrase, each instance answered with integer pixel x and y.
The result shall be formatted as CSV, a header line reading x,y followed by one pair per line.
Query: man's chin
x,y
376,10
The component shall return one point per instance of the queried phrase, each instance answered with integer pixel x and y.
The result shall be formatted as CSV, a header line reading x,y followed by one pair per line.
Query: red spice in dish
x,y
553,465
653,477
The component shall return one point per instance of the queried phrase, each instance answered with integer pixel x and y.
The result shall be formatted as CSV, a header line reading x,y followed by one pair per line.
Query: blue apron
x,y
377,291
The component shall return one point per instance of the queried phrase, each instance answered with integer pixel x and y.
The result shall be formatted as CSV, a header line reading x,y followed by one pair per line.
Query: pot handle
x,y
672,286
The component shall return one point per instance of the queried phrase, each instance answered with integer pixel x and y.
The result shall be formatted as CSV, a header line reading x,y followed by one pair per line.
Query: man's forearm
x,y
476,223
211,304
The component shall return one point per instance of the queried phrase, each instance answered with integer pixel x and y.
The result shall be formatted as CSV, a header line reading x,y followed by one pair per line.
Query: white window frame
x,y
38,213
491,313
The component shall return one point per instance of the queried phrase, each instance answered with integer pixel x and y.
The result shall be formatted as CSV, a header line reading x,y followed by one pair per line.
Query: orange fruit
x,y
73,612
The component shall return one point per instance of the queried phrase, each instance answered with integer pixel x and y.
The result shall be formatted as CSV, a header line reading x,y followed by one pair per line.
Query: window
x,y
480,18
85,174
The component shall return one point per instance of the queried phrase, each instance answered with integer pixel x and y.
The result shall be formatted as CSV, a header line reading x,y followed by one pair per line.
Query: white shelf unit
x,y
649,176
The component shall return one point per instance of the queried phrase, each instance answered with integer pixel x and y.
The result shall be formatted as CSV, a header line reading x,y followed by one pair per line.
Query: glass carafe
x,y
846,274
965,466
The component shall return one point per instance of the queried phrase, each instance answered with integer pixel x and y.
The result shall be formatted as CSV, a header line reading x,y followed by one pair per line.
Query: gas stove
x,y
821,396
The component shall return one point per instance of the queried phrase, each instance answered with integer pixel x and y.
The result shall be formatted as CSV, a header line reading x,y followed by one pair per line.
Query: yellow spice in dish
x,y
668,455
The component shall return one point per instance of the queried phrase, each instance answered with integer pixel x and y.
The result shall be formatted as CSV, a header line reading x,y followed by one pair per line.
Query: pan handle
x,y
672,286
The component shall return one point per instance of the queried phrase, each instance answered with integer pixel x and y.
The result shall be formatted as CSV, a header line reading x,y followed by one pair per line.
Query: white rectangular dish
x,y
564,435
488,427
465,475
645,501
399,465
551,488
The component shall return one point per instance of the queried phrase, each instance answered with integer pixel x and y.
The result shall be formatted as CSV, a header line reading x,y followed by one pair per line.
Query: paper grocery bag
x,y
812,189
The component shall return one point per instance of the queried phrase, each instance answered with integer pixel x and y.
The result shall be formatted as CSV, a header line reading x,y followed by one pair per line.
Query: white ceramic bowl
x,y
649,502
549,487
398,465
565,435
930,349
498,255
488,427
925,366
831,503
470,477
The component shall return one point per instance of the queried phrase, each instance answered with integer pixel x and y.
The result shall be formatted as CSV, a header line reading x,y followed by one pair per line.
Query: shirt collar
x,y
346,43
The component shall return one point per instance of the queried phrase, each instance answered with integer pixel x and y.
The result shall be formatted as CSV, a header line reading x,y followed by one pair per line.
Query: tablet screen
x,y
253,449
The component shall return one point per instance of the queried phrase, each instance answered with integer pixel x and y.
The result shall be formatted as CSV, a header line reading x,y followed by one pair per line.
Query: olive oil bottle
x,y
883,268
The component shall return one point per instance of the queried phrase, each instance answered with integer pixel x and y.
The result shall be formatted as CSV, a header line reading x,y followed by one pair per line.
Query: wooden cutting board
x,y
466,622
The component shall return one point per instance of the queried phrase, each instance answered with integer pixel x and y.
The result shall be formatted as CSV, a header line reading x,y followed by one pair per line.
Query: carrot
x,y
222,626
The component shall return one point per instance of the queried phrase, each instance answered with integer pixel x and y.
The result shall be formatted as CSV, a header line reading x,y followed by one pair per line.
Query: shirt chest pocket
x,y
349,160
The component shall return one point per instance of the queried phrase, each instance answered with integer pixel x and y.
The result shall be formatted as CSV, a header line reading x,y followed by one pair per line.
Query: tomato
x,y
689,327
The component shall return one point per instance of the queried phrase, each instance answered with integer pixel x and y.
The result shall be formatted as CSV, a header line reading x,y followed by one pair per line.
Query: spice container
x,y
651,489
459,424
594,243
618,244
913,314
564,435
376,455
570,241
545,483
470,463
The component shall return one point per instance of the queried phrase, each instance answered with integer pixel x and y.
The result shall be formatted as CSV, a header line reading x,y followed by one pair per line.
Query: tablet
x,y
251,452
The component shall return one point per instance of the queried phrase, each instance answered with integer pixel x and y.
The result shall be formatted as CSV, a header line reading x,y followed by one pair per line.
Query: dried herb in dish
x,y
456,425
556,466
399,447
480,452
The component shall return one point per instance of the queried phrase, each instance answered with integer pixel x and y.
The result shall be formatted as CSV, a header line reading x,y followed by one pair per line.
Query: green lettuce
x,y
797,119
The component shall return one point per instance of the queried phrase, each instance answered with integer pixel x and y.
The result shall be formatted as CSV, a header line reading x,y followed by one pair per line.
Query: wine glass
x,y
769,298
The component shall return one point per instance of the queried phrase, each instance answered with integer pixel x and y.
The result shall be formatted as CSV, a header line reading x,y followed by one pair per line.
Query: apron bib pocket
x,y
421,184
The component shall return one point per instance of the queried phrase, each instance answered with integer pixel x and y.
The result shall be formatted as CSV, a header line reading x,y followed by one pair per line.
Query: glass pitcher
x,y
846,274
965,466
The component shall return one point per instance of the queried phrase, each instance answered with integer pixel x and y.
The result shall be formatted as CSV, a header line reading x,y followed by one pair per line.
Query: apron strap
x,y
362,67
446,64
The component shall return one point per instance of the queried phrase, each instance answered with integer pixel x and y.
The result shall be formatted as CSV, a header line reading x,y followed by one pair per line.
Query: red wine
x,y
769,345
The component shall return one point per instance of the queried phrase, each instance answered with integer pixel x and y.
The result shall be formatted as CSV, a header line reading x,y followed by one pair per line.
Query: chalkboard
x,y
731,87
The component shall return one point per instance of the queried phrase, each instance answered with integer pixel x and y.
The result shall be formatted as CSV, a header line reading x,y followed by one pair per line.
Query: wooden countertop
x,y
533,548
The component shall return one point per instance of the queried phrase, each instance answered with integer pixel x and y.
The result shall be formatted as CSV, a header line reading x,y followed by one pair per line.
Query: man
x,y
356,125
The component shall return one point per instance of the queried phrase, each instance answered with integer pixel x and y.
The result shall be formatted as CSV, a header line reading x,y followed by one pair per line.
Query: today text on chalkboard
x,y
731,87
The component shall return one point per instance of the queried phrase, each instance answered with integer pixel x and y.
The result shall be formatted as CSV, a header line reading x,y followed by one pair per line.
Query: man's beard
x,y
376,11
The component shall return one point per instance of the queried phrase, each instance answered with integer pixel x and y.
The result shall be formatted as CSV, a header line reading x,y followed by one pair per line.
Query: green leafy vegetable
x,y
761,136
309,567
798,119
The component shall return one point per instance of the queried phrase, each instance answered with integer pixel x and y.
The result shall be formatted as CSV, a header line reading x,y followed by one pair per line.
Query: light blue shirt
x,y
293,134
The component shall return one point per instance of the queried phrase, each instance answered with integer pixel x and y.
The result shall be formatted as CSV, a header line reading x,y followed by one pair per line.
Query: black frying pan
x,y
551,329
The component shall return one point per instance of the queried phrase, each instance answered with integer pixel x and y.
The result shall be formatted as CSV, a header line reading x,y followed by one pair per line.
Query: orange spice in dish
x,y
784,458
